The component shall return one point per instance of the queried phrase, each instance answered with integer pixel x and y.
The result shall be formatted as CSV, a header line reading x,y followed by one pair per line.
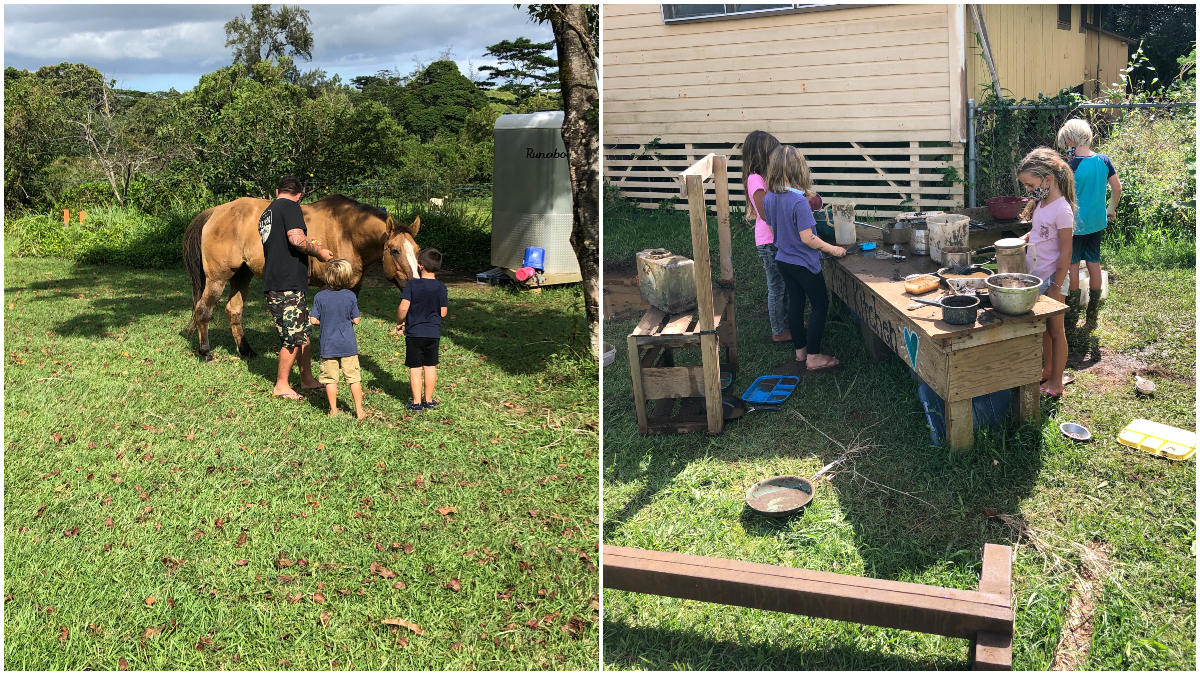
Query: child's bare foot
x,y
362,415
333,413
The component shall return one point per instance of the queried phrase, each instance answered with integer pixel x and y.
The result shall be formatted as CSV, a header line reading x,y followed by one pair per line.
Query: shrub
x,y
119,236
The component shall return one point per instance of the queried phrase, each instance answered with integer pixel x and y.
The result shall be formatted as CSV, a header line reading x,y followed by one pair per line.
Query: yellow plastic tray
x,y
1159,439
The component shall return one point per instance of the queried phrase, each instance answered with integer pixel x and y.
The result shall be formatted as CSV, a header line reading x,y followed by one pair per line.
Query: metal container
x,y
843,225
1010,256
956,257
667,281
920,239
1014,293
949,229
959,310
780,496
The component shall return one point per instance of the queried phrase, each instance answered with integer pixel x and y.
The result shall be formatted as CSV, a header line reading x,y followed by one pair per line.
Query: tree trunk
x,y
581,135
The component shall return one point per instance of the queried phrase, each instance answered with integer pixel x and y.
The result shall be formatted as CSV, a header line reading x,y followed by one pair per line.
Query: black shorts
x,y
420,351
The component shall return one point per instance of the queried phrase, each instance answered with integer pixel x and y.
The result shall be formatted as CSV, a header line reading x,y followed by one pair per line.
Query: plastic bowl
x,y
1075,432
1006,208
1013,293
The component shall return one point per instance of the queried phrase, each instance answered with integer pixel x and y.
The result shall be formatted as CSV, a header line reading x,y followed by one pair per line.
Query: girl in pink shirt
x,y
756,155
1050,184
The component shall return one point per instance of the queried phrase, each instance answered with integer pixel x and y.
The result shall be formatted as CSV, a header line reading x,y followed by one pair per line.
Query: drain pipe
x,y
971,149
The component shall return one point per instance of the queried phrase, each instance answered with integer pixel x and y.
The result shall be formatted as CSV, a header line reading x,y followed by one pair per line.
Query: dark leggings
x,y
803,284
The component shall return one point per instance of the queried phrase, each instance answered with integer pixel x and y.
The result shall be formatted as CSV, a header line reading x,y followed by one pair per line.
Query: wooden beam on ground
x,y
875,602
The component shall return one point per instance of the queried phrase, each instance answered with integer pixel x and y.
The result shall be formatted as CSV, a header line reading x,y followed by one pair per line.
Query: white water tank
x,y
531,194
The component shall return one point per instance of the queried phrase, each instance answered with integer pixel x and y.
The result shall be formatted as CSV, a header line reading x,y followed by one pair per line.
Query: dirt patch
x,y
373,278
1076,637
622,297
1115,370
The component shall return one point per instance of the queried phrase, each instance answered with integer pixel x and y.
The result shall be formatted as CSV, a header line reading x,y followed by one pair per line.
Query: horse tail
x,y
193,259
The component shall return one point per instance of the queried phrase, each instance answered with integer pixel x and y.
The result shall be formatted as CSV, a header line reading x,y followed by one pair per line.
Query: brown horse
x,y
222,245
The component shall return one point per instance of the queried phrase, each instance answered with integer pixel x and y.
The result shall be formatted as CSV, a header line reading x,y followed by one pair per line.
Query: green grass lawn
x,y
163,513
905,509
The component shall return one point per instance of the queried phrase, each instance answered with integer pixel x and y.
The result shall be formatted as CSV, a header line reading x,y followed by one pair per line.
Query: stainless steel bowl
x,y
1014,293
1075,432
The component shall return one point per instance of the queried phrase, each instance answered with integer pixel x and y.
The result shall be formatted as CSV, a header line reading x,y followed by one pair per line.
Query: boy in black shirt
x,y
422,305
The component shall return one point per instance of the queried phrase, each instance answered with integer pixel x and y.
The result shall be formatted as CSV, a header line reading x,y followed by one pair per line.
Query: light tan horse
x,y
223,246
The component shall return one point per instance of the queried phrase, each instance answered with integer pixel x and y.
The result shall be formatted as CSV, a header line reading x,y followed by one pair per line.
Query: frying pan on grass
x,y
734,407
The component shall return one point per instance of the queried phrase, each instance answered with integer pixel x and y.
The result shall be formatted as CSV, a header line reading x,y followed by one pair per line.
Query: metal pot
x,y
959,257
1014,293
959,310
1010,256
899,234
920,238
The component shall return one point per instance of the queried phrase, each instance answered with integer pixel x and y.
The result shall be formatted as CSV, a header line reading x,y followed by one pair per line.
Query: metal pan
x,y
900,234
734,407
959,310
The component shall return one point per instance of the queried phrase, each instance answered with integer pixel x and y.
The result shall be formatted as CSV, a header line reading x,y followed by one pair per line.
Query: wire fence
x,y
1000,135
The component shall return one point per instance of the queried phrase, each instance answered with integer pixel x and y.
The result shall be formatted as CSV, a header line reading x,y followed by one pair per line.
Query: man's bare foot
x,y
310,384
333,413
288,393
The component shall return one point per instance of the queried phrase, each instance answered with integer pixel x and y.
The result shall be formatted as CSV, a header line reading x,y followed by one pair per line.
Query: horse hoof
x,y
208,357
249,354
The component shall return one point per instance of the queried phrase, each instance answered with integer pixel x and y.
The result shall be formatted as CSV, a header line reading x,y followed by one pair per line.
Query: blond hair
x,y
788,168
1043,162
338,274
1074,133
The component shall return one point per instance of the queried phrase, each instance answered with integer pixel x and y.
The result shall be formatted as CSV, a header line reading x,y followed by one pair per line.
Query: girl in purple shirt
x,y
799,256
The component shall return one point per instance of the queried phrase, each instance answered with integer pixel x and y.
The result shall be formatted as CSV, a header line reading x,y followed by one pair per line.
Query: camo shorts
x,y
289,309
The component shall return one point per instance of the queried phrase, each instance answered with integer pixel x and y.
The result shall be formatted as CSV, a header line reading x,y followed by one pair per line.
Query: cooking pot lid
x,y
1010,243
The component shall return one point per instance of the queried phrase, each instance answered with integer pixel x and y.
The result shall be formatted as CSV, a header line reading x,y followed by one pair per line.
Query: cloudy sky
x,y
156,47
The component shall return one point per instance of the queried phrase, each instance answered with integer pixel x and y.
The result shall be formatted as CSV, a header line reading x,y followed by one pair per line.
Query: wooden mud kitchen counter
x,y
996,352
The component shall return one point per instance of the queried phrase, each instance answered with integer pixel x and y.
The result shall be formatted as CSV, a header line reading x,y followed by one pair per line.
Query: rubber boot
x,y
1072,315
1093,308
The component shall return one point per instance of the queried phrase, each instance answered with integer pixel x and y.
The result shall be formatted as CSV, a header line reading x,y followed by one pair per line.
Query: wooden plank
x,y
654,189
662,409
996,577
702,168
677,425
650,321
629,101
704,301
677,324
990,368
1027,402
650,357
724,238
748,74
1006,331
991,651
635,374
703,131
957,59
736,110
892,604
960,429
677,382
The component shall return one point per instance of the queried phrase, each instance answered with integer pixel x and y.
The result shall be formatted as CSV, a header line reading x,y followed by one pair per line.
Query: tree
x,y
269,34
524,67
438,99
576,35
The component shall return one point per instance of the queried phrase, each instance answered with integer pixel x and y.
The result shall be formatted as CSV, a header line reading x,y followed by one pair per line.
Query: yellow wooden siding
x,y
862,74
1033,55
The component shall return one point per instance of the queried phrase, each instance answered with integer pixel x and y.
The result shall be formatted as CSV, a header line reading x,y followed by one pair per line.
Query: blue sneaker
x,y
414,407
430,405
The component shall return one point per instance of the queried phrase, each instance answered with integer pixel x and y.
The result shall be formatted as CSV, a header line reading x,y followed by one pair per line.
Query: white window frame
x,y
731,15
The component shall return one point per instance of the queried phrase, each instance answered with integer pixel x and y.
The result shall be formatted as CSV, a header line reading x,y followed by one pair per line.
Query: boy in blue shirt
x,y
1094,174
335,310
419,319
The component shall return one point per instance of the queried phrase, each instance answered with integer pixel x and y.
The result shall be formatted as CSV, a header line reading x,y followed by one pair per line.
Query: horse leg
x,y
238,290
202,313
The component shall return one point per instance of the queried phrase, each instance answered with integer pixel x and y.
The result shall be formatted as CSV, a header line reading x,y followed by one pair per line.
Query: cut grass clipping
x,y
902,509
165,513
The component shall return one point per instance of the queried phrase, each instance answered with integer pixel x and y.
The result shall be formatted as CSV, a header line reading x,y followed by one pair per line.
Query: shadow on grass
x,y
667,649
519,335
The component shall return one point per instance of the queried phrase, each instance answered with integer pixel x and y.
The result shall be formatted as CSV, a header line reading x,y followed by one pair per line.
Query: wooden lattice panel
x,y
889,178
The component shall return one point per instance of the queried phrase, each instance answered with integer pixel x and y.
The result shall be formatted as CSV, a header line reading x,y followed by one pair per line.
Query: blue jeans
x,y
776,290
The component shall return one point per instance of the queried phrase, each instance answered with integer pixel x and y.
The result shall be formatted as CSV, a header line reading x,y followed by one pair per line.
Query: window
x,y
688,13
1064,17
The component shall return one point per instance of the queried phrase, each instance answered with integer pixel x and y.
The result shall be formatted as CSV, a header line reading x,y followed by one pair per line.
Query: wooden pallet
x,y
985,616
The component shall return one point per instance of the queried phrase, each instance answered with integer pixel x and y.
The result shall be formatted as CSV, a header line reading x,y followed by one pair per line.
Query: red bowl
x,y
1006,208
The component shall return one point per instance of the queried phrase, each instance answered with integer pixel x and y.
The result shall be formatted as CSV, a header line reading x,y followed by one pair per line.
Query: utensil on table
x,y
1013,294
959,310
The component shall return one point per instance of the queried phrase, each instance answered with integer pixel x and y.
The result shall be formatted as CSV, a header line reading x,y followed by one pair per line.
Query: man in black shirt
x,y
286,248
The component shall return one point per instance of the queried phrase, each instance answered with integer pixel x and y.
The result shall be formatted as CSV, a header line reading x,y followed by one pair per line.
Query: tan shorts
x,y
347,365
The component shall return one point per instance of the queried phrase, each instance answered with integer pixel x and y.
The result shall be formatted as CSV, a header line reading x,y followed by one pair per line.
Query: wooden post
x,y
66,216
81,215
639,395
993,650
724,238
704,304
960,425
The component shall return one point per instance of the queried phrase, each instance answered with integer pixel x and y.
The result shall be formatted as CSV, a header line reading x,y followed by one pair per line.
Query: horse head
x,y
400,252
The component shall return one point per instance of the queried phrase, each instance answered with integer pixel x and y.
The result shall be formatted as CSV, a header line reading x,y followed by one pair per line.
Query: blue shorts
x,y
1045,288
1086,247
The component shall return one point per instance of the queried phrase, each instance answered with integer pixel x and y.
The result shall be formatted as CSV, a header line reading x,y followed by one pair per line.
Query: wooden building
x,y
875,96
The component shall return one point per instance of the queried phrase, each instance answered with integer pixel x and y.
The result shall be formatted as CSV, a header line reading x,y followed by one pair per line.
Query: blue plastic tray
x,y
771,389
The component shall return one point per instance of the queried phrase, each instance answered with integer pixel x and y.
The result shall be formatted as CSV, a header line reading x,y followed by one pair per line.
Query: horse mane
x,y
336,200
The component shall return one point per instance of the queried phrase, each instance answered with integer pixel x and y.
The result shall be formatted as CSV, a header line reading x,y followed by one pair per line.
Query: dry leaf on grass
x,y
242,539
404,624
399,585
319,598
325,619
241,562
122,663
454,585
62,637
444,510
402,641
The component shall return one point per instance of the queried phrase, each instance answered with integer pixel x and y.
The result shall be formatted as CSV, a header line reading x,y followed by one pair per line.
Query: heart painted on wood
x,y
911,342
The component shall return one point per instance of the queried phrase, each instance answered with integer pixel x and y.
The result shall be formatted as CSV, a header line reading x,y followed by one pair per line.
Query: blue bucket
x,y
988,410
824,229
535,257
